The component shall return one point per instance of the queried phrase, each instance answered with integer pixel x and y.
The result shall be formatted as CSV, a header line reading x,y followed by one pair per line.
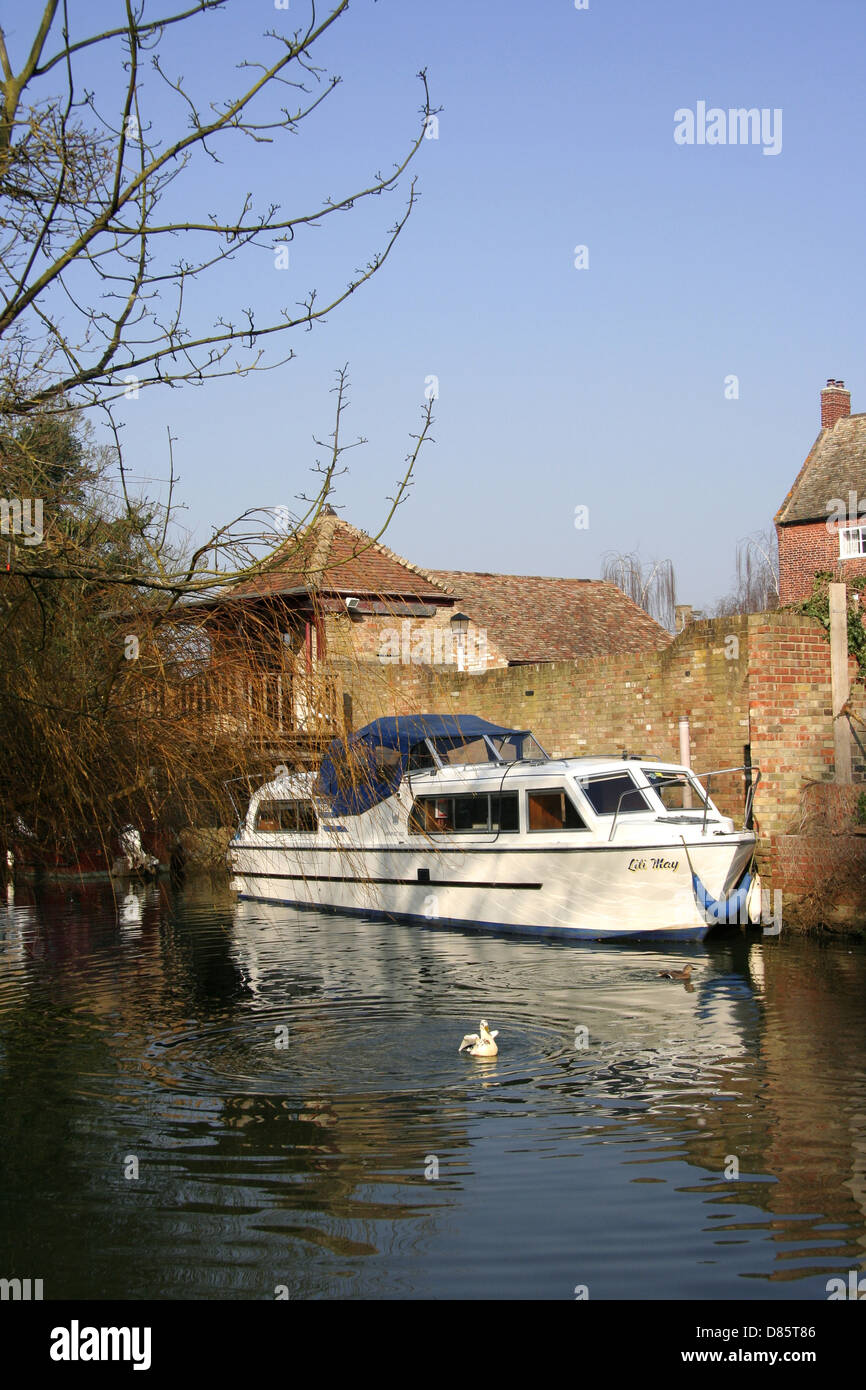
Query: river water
x,y
206,1099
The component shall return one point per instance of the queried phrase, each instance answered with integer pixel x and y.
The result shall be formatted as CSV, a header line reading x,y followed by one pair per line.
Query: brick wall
x,y
805,548
762,680
789,712
822,877
424,641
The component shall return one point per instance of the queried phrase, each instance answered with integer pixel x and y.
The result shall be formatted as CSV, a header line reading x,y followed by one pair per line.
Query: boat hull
x,y
595,892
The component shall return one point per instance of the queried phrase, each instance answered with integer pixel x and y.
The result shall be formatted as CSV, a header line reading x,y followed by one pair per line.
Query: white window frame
x,y
852,542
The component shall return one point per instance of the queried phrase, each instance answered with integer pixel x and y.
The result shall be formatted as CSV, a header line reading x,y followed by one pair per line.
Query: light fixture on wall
x,y
460,627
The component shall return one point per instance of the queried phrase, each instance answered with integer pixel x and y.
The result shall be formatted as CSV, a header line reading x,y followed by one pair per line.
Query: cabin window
x,y
459,752
504,812
553,809
420,757
471,813
387,761
474,814
617,792
430,814
852,542
275,816
671,787
516,747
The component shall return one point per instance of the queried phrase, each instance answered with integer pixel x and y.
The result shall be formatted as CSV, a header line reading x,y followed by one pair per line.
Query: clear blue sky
x,y
558,387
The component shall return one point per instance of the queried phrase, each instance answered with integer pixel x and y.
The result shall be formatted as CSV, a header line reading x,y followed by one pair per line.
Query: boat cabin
x,y
459,775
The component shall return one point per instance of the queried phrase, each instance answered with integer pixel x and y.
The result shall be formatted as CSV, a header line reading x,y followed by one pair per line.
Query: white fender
x,y
753,901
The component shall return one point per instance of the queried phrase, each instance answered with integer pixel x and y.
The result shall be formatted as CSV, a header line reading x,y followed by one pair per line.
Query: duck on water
x,y
450,820
481,1044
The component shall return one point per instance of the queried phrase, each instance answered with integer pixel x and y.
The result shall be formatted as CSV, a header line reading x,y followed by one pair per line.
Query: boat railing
x,y
632,791
707,777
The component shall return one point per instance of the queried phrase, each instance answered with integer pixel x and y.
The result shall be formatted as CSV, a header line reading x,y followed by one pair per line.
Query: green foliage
x,y
45,455
817,606
860,812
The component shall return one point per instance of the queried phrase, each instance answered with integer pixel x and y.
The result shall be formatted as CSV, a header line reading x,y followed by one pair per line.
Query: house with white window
x,y
821,524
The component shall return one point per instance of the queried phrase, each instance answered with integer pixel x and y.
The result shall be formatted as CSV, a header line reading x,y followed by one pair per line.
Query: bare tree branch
x,y
87,293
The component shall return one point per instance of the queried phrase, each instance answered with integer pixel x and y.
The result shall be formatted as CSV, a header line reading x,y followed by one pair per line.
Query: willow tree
x,y
115,218
651,584
101,275
756,587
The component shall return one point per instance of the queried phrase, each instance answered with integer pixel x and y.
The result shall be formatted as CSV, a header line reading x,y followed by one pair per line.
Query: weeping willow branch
x,y
650,584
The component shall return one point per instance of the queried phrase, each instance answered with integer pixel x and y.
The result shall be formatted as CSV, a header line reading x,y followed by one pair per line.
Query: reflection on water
x,y
288,1089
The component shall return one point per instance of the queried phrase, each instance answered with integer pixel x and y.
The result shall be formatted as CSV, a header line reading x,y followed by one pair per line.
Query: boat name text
x,y
635,864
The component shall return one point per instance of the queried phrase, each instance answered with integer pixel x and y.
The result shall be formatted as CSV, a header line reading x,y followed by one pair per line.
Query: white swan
x,y
483,1044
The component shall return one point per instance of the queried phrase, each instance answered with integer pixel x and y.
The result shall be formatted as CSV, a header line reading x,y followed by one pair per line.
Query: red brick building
x,y
821,525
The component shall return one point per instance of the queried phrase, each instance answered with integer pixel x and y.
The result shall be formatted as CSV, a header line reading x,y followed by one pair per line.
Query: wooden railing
x,y
261,708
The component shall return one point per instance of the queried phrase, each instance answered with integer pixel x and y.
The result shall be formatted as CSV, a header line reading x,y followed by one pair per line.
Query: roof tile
x,y
834,466
334,557
536,618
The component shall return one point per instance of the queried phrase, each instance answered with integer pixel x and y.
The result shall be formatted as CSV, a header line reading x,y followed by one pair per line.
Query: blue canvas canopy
x,y
353,778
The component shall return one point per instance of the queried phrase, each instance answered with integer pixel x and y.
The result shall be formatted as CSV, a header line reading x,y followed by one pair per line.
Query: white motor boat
x,y
449,820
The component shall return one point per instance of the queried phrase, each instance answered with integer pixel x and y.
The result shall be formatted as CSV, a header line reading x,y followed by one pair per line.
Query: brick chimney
x,y
835,403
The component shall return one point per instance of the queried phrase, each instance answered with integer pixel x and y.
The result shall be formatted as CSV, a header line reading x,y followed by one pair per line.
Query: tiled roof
x,y
527,617
835,466
334,557
533,618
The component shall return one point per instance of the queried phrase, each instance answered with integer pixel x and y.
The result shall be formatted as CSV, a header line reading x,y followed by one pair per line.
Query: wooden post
x,y
686,757
839,686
